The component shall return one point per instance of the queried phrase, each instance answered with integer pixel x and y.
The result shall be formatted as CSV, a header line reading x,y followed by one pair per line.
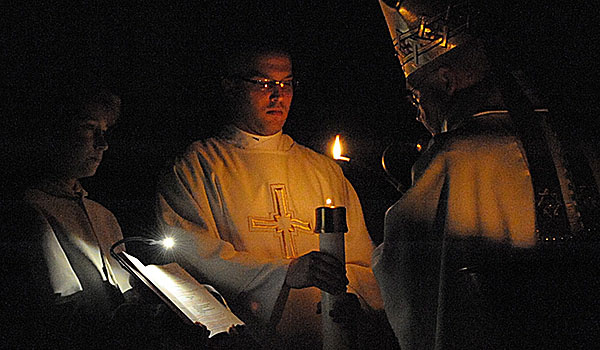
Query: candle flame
x,y
329,203
337,150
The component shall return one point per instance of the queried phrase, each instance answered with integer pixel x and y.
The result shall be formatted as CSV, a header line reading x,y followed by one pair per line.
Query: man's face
x,y
85,145
433,103
431,108
261,106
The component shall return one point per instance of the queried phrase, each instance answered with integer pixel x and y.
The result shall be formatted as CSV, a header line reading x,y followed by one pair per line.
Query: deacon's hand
x,y
317,269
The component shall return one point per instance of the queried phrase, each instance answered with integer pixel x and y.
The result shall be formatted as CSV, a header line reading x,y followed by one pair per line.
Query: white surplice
x,y
87,225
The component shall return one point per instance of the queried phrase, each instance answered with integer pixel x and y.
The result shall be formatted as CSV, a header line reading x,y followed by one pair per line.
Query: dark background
x,y
159,57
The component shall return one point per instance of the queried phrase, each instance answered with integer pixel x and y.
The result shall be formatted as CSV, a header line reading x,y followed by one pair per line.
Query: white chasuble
x,y
247,203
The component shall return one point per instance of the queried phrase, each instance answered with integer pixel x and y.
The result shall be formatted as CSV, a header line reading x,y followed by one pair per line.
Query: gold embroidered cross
x,y
283,222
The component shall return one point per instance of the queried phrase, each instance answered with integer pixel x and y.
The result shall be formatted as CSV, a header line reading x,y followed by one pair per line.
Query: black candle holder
x,y
331,219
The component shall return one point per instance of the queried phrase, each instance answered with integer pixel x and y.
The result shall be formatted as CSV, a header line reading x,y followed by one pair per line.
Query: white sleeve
x,y
186,205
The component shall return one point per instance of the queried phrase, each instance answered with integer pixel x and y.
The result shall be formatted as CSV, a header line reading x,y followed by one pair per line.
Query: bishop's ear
x,y
448,80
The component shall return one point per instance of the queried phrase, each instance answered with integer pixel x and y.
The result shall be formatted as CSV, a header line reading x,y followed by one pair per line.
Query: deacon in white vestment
x,y
247,200
250,202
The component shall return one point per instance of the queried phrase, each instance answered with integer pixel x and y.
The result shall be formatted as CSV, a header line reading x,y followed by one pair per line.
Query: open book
x,y
192,301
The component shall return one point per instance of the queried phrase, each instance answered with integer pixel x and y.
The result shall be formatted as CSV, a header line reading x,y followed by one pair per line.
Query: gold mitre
x,y
422,31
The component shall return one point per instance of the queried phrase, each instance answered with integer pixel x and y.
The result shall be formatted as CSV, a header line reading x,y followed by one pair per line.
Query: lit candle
x,y
331,227
337,150
331,219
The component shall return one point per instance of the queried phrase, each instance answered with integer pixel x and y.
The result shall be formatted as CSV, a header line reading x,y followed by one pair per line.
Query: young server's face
x,y
264,95
84,145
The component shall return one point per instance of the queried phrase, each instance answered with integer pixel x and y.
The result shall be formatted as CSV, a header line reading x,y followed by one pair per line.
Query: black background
x,y
157,56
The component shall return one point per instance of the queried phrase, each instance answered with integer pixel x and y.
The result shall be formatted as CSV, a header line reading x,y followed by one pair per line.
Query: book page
x,y
191,297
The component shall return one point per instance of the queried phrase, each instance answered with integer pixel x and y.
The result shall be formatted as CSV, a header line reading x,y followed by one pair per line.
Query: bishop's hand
x,y
367,328
346,310
317,269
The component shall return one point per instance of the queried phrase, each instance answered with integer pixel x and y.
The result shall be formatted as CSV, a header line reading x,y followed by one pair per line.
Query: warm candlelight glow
x,y
329,201
337,150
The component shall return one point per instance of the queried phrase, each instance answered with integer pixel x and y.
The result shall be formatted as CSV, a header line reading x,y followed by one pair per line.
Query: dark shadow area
x,y
160,59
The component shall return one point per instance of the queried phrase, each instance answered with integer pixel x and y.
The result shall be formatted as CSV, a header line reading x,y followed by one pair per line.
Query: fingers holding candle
x,y
330,274
317,269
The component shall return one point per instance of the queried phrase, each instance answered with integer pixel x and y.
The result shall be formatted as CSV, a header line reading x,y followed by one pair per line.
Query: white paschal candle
x,y
331,227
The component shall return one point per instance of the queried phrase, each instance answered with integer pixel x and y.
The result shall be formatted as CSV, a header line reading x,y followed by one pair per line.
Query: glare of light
x,y
337,150
409,16
168,242
328,201
419,147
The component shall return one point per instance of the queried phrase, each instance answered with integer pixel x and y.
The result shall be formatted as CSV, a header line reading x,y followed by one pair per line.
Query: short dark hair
x,y
59,111
52,104
234,56
75,103
103,99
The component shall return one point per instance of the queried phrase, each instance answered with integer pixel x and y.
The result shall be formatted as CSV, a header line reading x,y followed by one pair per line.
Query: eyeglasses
x,y
413,98
263,85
